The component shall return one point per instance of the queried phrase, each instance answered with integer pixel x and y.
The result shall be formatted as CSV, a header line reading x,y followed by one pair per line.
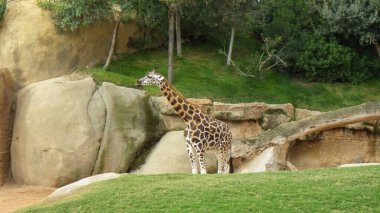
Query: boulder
x,y
33,50
130,124
55,141
285,109
304,113
271,121
68,189
265,161
170,156
238,112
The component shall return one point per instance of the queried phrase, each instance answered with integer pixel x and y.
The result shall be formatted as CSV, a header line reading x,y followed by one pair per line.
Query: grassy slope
x,y
321,190
202,73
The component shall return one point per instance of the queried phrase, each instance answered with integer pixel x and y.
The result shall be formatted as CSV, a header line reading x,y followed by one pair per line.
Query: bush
x,y
3,8
327,61
72,14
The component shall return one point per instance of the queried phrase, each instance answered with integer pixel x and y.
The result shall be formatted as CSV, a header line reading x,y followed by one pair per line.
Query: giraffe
x,y
203,132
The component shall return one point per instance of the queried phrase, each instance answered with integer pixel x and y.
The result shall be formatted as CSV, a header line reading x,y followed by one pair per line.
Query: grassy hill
x,y
203,73
320,190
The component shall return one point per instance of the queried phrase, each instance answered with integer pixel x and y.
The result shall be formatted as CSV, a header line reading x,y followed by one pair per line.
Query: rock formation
x,y
33,50
69,128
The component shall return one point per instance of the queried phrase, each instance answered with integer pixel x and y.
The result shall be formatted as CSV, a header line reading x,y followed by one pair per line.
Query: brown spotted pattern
x,y
203,132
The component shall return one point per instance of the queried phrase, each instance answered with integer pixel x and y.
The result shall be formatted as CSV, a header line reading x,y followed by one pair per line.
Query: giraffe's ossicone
x,y
203,132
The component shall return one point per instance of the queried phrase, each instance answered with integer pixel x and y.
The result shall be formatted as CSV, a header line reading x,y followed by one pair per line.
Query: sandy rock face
x,y
54,140
335,147
170,156
33,50
130,123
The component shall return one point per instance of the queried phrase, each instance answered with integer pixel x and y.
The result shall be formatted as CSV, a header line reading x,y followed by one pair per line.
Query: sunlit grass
x,y
202,73
321,190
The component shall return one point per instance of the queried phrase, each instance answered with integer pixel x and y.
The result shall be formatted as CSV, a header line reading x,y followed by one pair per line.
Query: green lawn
x,y
319,190
202,73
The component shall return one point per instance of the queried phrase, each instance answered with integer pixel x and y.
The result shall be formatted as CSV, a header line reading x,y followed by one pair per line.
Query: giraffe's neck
x,y
184,108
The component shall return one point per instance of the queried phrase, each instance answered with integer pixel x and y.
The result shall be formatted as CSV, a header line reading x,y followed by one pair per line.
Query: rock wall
x,y
69,128
335,147
7,87
32,49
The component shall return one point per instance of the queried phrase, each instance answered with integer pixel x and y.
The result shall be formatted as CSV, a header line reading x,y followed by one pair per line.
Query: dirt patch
x,y
14,197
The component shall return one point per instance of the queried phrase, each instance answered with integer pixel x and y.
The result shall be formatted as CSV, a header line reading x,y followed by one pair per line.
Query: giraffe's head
x,y
151,78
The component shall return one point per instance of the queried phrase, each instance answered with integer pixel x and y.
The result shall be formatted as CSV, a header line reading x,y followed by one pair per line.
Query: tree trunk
x,y
377,46
231,46
171,43
178,32
299,129
113,44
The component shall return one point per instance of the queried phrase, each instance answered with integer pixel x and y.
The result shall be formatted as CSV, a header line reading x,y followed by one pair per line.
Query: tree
x,y
3,8
357,19
233,14
117,15
171,15
178,31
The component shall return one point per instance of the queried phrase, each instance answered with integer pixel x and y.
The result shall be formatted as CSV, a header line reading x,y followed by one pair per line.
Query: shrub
x,y
327,61
72,14
3,8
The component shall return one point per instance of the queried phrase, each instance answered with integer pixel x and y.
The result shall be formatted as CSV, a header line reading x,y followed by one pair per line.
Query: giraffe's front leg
x,y
190,152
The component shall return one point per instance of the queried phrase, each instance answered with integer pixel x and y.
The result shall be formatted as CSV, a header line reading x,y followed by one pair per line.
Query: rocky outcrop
x,y
33,50
7,89
170,156
335,147
67,129
130,123
54,139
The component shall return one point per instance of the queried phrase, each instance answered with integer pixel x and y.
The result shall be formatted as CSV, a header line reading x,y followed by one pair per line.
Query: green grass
x,y
202,73
320,190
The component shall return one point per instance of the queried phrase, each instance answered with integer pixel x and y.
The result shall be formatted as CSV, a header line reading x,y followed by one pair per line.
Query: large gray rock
x,y
170,156
265,161
130,123
55,141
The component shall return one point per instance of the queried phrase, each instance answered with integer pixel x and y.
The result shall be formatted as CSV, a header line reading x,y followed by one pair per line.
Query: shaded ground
x,y
14,197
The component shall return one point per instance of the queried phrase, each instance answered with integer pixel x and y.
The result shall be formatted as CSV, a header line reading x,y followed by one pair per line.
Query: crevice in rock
x,y
100,139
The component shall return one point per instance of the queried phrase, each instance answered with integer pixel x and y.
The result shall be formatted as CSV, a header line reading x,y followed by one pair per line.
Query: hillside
x,y
202,73
320,190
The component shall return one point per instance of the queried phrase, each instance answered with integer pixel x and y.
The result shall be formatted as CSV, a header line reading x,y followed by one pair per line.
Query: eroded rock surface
x,y
33,50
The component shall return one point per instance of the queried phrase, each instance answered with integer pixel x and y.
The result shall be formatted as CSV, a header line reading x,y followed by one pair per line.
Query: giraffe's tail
x,y
231,166
231,161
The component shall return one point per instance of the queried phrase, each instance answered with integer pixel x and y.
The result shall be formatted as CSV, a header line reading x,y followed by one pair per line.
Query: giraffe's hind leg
x,y
223,166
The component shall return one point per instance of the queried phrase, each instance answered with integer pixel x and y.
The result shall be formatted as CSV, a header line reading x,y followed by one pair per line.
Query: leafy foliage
x,y
3,8
73,14
326,60
357,19
151,17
